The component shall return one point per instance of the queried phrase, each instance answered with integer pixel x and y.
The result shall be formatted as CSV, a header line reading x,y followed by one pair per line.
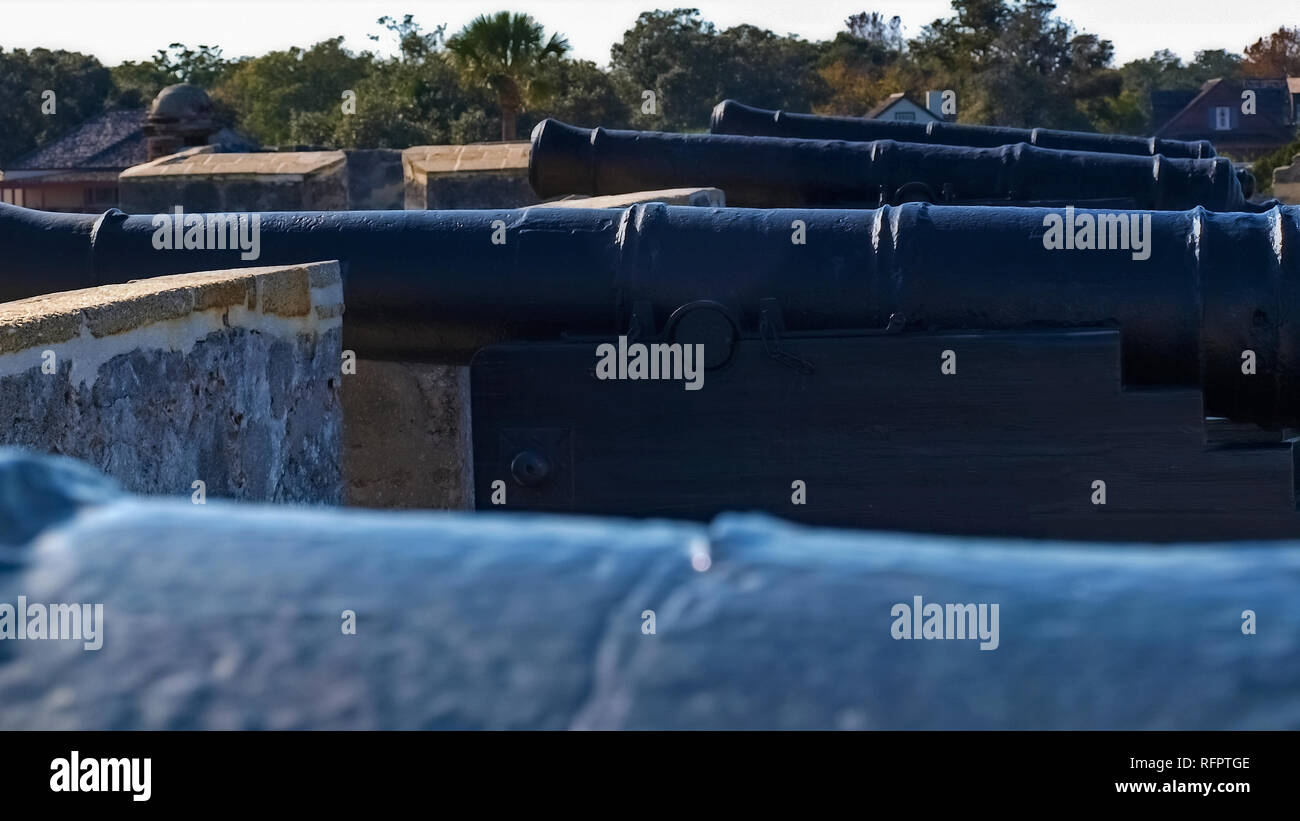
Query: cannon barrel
x,y
1189,298
771,172
731,117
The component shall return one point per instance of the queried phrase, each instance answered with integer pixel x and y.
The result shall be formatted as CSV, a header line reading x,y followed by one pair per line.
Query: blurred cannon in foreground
x,y
772,172
225,616
731,117
972,370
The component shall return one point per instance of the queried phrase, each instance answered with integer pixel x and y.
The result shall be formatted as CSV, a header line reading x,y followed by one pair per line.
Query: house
x,y
1245,119
78,171
897,108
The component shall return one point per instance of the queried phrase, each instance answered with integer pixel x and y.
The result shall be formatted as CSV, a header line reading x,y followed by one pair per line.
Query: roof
x,y
1270,124
20,179
893,100
888,103
202,161
113,140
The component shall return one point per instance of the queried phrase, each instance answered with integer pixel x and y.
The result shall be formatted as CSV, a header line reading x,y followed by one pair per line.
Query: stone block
x,y
406,437
220,182
374,179
1286,182
491,175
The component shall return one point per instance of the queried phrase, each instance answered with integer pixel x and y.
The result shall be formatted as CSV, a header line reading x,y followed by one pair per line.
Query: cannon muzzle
x,y
731,117
1190,291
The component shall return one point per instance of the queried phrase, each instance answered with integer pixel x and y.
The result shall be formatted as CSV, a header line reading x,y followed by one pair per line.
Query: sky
x,y
117,30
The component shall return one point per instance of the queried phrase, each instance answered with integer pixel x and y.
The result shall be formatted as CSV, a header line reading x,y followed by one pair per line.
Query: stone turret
x,y
180,117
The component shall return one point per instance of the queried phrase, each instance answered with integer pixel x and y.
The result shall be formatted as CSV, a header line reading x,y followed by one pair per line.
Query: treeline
x,y
1011,62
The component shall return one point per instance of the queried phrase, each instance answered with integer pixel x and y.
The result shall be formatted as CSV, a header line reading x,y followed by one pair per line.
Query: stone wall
x,y
229,377
419,178
490,175
406,440
440,176
374,179
1286,182
200,180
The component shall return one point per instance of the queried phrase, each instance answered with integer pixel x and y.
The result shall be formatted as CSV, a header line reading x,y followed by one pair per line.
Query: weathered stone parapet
x,y
491,175
201,180
375,179
227,377
1286,182
406,437
702,197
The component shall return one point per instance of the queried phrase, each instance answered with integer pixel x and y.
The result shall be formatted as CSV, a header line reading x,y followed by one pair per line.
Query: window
x,y
1223,118
908,116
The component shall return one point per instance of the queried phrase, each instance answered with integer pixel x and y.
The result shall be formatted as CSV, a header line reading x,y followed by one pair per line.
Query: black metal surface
x,y
1009,442
773,172
433,285
731,117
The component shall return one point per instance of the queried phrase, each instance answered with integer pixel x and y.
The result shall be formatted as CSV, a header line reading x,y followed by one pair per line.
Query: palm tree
x,y
505,52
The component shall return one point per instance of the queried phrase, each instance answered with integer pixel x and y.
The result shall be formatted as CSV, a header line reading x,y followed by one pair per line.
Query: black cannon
x,y
1189,290
771,172
966,370
731,117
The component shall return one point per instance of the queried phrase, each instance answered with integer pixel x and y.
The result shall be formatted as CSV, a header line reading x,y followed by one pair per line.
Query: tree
x,y
414,44
1216,63
853,89
506,52
690,66
1018,64
414,98
268,92
864,64
964,41
585,95
674,55
138,83
765,69
81,86
1276,55
874,28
